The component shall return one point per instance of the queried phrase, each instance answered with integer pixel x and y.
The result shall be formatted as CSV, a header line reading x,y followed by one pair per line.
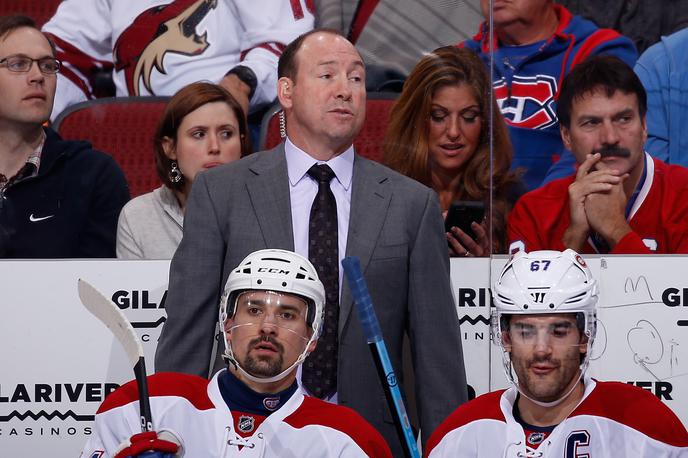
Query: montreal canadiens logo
x,y
271,403
529,102
246,424
580,260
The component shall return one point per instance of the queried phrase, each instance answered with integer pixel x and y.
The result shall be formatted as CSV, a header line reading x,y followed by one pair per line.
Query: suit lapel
x,y
370,197
269,194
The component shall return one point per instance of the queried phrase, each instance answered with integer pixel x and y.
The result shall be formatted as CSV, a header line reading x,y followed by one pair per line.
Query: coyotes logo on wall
x,y
529,102
163,29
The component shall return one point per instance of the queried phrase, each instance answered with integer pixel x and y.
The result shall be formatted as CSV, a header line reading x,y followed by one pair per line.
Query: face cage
x,y
589,330
228,354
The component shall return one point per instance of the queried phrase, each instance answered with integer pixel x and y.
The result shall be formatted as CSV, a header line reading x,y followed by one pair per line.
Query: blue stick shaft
x,y
373,334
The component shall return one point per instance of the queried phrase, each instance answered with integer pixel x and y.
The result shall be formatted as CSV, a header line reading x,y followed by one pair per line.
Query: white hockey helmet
x,y
279,271
543,282
546,282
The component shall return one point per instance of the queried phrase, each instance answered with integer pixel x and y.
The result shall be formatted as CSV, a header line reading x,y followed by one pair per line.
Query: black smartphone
x,y
462,213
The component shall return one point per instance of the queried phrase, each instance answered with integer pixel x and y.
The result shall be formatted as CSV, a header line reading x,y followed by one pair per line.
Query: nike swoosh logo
x,y
35,219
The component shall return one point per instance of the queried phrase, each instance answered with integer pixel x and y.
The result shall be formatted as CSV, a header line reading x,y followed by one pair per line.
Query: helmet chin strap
x,y
555,402
275,378
229,358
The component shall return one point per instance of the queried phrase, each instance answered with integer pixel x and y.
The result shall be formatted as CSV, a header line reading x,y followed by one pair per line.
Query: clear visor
x,y
268,332
549,330
557,334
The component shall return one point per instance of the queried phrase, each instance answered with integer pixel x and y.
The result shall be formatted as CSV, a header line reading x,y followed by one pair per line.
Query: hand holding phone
x,y
462,213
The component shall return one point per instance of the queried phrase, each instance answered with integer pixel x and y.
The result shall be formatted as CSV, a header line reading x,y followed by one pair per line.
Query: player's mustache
x,y
613,151
544,360
268,339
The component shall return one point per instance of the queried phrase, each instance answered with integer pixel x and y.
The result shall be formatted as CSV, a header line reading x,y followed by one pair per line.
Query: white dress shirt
x,y
302,192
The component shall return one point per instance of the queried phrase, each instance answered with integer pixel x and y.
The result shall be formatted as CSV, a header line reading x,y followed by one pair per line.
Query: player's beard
x,y
552,386
264,366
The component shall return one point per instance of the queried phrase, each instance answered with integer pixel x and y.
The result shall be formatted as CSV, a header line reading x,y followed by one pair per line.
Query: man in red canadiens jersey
x,y
545,321
271,314
620,200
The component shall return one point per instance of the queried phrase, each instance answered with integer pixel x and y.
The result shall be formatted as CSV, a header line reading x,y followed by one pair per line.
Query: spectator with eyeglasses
x,y
58,199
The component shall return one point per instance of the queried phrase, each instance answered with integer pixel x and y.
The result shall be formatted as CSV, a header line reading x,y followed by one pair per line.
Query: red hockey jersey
x,y
658,218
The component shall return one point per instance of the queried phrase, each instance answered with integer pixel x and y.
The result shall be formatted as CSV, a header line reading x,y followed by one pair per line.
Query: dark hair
x,y
287,65
406,143
605,73
9,24
186,100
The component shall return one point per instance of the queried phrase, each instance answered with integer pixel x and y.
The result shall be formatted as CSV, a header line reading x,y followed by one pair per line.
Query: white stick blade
x,y
112,317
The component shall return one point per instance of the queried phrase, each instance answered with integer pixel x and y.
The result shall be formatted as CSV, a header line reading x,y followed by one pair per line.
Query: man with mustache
x,y
545,321
620,200
58,199
271,314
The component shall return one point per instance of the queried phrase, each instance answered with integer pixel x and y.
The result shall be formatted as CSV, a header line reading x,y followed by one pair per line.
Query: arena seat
x,y
369,141
39,10
122,127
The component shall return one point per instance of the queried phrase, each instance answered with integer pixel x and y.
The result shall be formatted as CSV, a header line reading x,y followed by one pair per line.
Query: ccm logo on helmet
x,y
272,270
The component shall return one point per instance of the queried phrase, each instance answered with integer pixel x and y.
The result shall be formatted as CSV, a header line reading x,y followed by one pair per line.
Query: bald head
x,y
288,62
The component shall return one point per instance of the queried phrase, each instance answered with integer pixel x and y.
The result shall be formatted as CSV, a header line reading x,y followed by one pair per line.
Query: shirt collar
x,y
35,157
298,163
170,204
642,188
30,167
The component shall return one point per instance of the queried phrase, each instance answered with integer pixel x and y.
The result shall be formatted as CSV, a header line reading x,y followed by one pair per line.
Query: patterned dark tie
x,y
319,373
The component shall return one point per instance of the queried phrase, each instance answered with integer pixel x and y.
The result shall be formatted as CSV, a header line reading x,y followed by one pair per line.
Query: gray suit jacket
x,y
395,229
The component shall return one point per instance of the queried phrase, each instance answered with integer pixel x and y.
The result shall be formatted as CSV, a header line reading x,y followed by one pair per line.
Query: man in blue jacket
x,y
536,43
58,199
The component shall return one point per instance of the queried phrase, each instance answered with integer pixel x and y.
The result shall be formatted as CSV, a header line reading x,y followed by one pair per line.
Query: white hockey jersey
x,y
194,410
159,46
612,420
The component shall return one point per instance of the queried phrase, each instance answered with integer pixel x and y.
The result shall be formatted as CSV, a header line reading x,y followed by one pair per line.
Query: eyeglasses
x,y
22,64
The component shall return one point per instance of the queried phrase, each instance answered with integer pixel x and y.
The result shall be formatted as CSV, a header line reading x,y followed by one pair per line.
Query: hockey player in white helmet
x,y
544,321
270,316
545,300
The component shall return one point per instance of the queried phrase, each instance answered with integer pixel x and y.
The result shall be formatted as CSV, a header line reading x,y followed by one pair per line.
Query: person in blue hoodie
x,y
663,71
536,43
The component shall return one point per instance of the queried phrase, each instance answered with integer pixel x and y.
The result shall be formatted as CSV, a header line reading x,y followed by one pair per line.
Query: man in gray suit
x,y
391,223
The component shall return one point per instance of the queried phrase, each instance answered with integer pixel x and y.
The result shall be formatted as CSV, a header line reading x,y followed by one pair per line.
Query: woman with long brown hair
x,y
439,135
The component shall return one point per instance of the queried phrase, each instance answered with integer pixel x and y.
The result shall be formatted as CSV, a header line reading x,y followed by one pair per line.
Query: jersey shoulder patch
x,y
190,387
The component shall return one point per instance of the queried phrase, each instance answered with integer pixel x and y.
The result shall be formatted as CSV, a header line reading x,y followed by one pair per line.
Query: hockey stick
x,y
376,343
112,317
